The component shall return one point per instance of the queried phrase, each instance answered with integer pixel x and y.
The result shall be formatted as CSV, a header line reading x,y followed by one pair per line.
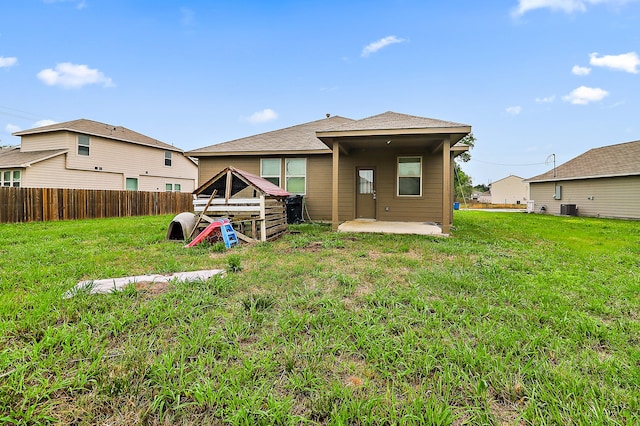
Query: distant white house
x,y
510,190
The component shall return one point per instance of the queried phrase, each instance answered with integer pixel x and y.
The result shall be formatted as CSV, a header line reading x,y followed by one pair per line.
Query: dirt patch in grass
x,y
151,289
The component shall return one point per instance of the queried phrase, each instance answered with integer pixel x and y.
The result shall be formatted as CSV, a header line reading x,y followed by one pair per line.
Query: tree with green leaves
x,y
463,184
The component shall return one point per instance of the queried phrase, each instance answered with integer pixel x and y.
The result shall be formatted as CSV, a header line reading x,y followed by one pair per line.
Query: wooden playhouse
x,y
255,206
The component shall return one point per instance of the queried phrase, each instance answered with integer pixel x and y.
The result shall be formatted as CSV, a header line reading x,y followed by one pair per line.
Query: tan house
x,y
510,190
602,182
85,154
389,167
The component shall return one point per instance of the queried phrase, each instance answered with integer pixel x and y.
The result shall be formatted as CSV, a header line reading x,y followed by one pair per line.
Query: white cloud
x,y
71,75
584,95
546,100
12,128
514,110
578,70
263,116
42,123
80,4
567,6
8,62
377,45
628,62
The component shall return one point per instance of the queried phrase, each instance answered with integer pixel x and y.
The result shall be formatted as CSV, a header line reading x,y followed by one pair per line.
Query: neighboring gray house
x,y
602,182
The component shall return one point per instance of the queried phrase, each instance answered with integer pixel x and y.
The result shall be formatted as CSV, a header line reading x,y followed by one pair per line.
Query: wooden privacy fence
x,y
42,204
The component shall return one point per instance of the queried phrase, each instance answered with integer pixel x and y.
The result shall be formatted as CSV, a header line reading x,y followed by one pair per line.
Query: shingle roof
x,y
95,128
395,121
14,158
296,138
612,160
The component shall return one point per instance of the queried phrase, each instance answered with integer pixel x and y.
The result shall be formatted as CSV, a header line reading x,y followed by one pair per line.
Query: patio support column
x,y
447,203
335,220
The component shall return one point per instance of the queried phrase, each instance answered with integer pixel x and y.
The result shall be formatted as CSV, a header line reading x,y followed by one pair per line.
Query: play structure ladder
x,y
228,234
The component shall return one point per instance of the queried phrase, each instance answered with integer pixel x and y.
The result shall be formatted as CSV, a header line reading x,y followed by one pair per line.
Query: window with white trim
x,y
173,187
409,176
296,175
167,158
83,145
177,187
270,169
9,178
168,187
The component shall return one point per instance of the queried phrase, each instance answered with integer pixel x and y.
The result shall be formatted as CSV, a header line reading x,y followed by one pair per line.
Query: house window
x,y
296,175
270,170
169,187
173,187
177,187
132,184
83,145
10,178
167,158
409,176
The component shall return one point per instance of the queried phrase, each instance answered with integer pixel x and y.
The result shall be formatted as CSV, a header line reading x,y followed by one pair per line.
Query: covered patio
x,y
394,168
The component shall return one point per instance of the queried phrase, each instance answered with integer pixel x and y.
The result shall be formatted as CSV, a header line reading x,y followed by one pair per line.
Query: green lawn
x,y
515,319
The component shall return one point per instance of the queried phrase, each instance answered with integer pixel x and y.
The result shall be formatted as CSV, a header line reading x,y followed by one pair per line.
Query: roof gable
x,y
95,128
606,161
301,137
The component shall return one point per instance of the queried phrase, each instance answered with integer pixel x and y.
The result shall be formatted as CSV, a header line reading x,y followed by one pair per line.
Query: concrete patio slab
x,y
385,227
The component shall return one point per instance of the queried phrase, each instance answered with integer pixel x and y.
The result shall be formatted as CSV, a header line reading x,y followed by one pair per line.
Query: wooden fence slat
x,y
48,204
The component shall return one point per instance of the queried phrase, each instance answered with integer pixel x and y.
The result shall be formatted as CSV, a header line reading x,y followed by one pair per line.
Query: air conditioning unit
x,y
569,209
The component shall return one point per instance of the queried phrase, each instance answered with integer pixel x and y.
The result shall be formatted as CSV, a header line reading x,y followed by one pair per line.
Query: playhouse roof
x,y
240,180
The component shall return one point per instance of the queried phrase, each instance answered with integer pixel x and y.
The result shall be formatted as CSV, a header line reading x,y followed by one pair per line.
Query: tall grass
x,y
516,319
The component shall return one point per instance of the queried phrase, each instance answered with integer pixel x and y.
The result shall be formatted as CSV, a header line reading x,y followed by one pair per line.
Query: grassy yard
x,y
515,319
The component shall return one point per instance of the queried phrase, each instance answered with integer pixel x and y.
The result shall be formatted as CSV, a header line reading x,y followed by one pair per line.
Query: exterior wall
x,y
510,190
389,206
427,208
45,141
107,166
318,196
617,197
52,173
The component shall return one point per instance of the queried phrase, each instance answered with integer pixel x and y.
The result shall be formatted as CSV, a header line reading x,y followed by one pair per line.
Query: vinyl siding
x,y
53,174
612,197
46,141
318,196
510,190
107,166
427,208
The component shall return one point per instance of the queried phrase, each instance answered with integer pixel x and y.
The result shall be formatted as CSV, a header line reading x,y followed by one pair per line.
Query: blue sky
x,y
533,77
